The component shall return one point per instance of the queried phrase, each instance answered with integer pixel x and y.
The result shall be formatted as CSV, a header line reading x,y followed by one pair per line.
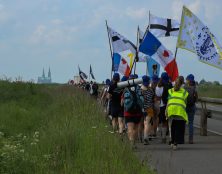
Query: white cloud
x,y
177,6
3,14
136,13
195,6
53,35
57,21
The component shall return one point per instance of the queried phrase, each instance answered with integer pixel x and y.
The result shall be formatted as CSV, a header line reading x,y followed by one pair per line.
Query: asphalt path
x,y
202,157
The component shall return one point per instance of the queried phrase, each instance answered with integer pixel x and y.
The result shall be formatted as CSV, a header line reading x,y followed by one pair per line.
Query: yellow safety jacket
x,y
176,105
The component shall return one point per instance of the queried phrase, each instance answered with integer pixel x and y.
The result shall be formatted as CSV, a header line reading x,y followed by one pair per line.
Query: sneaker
x,y
146,142
174,147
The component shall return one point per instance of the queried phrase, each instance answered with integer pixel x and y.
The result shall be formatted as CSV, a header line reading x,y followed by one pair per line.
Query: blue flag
x,y
150,44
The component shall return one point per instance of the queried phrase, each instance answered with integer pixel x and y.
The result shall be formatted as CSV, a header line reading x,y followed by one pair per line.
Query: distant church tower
x,y
45,80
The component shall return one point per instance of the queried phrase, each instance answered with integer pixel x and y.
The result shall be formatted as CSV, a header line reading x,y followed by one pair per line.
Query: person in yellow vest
x,y
176,112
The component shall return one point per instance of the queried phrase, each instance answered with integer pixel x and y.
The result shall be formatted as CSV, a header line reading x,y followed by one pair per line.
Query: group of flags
x,y
83,75
192,35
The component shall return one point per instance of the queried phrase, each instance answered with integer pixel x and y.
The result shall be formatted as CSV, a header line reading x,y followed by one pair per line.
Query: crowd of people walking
x,y
157,108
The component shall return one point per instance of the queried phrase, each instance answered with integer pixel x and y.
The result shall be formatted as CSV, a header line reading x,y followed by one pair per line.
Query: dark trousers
x,y
177,131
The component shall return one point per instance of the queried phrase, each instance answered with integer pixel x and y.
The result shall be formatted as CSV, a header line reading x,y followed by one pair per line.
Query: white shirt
x,y
159,93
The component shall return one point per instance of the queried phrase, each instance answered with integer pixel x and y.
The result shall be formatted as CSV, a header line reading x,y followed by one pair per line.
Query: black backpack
x,y
192,96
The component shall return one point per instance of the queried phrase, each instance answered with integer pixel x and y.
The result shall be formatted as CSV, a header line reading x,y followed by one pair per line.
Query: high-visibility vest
x,y
176,105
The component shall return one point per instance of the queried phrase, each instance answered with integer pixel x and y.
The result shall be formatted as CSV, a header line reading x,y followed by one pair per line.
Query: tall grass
x,y
212,91
58,129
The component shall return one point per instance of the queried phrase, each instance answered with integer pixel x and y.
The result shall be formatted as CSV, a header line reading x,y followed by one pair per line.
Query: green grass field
x,y
58,129
213,91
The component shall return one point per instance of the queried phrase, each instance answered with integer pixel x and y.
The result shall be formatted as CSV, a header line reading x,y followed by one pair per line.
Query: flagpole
x,y
175,56
147,57
111,53
89,72
137,49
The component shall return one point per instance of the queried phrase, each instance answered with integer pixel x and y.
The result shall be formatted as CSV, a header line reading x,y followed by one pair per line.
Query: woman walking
x,y
148,95
191,100
176,112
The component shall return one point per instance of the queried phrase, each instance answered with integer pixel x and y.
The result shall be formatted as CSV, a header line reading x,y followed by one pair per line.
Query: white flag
x,y
163,27
120,43
196,37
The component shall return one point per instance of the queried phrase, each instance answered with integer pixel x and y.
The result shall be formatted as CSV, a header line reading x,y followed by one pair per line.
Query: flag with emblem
x,y
163,27
196,37
153,47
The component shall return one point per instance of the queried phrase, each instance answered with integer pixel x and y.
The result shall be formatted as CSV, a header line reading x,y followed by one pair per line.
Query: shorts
x,y
116,112
133,119
162,116
149,112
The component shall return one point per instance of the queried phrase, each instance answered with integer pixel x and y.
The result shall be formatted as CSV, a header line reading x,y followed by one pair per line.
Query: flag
x,y
120,43
153,67
153,47
91,73
124,47
196,37
141,57
82,75
120,65
140,35
161,27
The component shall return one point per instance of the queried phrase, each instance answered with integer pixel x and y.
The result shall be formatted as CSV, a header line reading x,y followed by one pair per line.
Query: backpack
x,y
192,96
166,87
133,100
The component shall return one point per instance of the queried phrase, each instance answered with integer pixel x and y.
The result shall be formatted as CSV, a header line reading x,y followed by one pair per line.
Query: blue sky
x,y
64,33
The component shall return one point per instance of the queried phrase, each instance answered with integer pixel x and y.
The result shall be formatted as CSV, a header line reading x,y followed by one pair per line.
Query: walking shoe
x,y
174,147
146,142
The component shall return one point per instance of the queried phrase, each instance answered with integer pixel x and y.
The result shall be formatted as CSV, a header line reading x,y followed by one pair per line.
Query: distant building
x,y
43,79
76,79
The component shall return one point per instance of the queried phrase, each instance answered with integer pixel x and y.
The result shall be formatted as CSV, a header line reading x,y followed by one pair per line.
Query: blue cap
x,y
135,76
124,78
155,78
190,77
107,81
146,80
131,76
116,76
165,77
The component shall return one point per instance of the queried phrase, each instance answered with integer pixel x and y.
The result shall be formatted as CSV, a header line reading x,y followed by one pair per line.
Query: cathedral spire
x,y
49,73
43,73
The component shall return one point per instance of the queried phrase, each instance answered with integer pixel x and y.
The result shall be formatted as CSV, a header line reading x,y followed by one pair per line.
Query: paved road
x,y
214,126
203,157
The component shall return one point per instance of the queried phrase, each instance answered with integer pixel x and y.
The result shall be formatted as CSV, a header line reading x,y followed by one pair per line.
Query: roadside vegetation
x,y
58,129
210,89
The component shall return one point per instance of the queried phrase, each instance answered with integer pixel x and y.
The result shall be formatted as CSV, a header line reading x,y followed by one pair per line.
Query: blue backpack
x,y
133,100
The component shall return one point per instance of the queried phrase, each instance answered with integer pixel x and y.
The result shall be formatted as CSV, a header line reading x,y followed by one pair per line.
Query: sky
x,y
62,34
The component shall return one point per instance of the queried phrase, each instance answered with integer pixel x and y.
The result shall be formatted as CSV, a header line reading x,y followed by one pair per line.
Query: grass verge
x,y
58,129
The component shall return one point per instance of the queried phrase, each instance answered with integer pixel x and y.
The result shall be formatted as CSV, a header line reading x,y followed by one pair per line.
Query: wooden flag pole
x,y
111,52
